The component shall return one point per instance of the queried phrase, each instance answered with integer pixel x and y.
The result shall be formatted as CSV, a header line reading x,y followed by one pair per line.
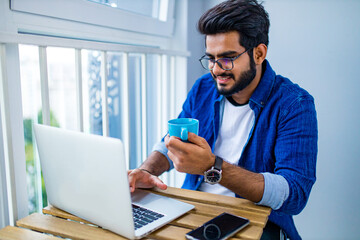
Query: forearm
x,y
246,184
156,163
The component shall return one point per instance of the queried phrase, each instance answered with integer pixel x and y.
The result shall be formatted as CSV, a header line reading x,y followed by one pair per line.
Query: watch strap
x,y
218,163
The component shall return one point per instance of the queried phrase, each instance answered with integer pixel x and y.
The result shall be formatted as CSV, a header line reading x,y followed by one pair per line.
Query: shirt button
x,y
262,103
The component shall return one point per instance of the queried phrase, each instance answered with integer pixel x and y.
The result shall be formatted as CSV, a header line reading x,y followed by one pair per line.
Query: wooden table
x,y
55,222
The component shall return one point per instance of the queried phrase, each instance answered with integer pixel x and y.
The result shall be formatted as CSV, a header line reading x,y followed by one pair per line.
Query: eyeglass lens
x,y
224,63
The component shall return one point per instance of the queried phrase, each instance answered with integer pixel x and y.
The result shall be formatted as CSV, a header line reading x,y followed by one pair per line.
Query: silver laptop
x,y
86,176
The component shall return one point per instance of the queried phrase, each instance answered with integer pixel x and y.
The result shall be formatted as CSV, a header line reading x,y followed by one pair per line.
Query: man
x,y
258,130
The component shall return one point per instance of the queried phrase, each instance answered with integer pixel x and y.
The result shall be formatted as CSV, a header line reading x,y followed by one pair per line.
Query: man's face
x,y
229,82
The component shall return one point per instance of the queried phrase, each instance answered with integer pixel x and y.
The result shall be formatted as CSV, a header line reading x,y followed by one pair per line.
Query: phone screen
x,y
221,227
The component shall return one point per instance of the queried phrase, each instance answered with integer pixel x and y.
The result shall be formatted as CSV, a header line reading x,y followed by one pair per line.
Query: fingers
x,y
132,176
195,139
172,141
190,157
141,179
158,183
175,144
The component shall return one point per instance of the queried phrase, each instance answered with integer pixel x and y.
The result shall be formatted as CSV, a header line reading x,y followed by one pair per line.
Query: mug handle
x,y
184,134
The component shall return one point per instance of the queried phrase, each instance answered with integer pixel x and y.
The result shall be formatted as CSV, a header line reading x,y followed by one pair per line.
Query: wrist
x,y
145,170
213,158
214,174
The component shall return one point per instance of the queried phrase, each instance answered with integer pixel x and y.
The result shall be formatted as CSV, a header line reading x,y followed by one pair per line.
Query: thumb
x,y
158,183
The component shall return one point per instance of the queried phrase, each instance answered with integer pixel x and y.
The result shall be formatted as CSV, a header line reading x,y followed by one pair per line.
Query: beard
x,y
241,82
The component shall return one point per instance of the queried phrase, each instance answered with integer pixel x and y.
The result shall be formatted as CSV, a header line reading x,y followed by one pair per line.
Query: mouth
x,y
223,79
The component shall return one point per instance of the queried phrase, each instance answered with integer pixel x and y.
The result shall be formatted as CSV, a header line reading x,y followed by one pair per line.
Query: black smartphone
x,y
221,227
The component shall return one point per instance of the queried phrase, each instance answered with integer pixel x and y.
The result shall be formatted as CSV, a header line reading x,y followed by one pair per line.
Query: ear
x,y
260,53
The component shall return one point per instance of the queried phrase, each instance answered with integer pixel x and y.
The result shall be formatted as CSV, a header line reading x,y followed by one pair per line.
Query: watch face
x,y
213,176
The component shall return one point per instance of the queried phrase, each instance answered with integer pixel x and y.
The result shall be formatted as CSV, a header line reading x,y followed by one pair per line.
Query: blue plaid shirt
x,y
282,141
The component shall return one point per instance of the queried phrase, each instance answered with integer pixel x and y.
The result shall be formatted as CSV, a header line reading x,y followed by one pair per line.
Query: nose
x,y
217,70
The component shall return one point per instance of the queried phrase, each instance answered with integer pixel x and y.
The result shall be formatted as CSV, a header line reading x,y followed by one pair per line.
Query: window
x,y
60,64
90,73
32,113
134,85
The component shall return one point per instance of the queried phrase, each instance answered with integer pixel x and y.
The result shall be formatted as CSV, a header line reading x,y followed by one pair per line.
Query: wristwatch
x,y
213,175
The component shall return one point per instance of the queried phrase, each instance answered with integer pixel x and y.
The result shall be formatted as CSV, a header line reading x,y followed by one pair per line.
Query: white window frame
x,y
4,213
13,131
84,11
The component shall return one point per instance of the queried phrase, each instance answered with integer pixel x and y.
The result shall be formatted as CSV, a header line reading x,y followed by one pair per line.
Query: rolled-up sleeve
x,y
276,191
161,148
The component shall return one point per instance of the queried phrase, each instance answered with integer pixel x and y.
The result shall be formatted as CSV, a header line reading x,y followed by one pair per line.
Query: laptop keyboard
x,y
143,216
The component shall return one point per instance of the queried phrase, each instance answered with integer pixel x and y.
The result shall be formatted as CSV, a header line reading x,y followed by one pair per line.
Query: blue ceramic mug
x,y
180,127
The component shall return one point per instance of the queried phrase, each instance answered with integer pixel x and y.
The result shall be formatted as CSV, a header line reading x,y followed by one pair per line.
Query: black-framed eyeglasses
x,y
226,63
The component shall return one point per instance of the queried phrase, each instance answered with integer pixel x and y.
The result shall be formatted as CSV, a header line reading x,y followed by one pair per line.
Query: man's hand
x,y
142,179
194,157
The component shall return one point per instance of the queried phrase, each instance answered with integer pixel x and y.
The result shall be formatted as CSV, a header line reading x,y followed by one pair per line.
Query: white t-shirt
x,y
235,127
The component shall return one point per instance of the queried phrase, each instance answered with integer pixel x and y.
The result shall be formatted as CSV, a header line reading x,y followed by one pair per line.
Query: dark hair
x,y
247,17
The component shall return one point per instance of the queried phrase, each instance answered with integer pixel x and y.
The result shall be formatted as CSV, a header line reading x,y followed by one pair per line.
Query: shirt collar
x,y
264,88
